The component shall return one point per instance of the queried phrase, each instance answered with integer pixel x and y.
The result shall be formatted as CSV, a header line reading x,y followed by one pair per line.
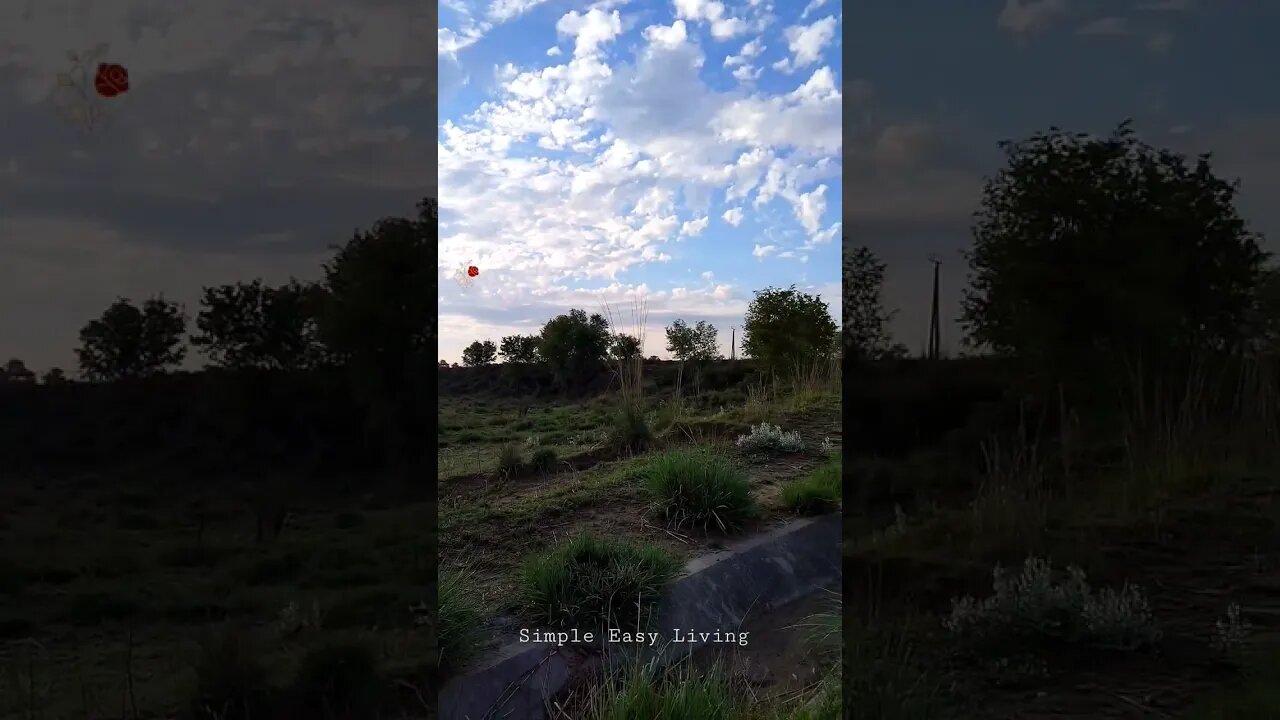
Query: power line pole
x,y
733,342
935,328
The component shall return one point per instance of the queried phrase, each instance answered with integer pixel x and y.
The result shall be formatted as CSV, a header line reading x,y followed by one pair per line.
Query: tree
x,y
54,376
1101,247
625,347
132,342
251,325
1264,322
692,344
16,371
378,318
479,353
786,328
574,345
519,349
866,321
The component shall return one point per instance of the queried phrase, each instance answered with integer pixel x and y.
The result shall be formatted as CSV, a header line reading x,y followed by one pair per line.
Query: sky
x,y
597,155
256,135
935,85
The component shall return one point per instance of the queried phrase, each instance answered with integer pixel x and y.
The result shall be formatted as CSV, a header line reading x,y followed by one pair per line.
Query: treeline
x,y
783,328
328,374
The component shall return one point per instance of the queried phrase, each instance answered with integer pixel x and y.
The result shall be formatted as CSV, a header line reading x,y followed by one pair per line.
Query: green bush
x,y
698,488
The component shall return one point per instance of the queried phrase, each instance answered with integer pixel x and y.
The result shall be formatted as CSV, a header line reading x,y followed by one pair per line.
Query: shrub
x,y
510,459
698,488
1034,604
771,438
593,580
815,493
545,459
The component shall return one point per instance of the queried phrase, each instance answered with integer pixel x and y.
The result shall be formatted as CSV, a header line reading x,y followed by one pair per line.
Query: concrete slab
x,y
716,593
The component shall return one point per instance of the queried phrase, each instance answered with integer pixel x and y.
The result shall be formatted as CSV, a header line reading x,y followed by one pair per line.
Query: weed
x,y
698,488
510,459
628,429
340,679
1230,632
1037,605
771,439
230,677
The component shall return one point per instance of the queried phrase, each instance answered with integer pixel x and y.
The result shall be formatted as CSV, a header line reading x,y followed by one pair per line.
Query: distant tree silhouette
x,y
444,363
16,371
625,347
479,353
378,319
247,325
54,376
574,345
786,328
519,349
1089,246
865,318
131,342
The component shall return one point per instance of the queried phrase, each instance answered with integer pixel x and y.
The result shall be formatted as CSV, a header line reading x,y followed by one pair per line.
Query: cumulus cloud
x,y
584,170
1029,17
806,43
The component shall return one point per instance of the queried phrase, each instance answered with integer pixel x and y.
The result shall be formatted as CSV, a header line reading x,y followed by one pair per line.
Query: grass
x,y
697,488
458,619
816,493
195,618
587,581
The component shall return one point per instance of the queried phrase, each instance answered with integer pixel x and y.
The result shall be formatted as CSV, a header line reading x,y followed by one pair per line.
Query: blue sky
x,y
932,92
685,153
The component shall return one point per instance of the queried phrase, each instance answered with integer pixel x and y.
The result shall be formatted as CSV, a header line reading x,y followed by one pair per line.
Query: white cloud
x,y
694,228
750,50
733,216
813,5
764,251
723,27
554,51
592,30
708,275
506,10
806,43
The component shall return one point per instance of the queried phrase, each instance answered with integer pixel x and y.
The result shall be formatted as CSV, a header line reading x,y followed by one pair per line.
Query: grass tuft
x,y
815,493
698,488
587,581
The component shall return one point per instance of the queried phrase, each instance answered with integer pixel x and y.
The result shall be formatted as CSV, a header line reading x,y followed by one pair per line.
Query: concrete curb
x,y
753,576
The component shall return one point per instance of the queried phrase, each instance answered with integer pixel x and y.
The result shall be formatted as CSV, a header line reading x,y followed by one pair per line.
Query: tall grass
x,y
1185,426
1013,499
630,431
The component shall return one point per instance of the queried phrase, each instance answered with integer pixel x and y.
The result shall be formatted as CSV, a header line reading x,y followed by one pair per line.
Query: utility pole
x,y
733,342
935,329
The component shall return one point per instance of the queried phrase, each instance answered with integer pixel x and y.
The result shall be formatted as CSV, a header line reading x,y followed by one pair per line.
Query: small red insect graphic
x,y
111,80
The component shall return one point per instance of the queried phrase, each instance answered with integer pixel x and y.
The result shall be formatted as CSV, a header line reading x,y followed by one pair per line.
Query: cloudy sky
x,y
931,92
684,152
256,134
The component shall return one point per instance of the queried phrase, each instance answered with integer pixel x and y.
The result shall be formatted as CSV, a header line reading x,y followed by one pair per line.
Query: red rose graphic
x,y
473,271
111,79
